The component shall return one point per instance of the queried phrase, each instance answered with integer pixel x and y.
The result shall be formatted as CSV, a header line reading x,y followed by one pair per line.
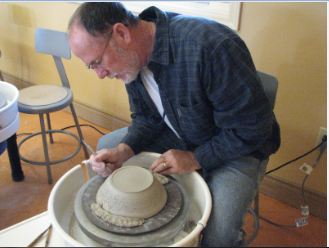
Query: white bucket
x,y
60,207
9,117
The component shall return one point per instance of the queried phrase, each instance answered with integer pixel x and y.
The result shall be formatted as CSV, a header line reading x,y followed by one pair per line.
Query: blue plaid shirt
x,y
209,89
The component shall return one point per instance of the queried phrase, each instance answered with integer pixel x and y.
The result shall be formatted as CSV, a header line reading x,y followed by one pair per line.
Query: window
x,y
227,13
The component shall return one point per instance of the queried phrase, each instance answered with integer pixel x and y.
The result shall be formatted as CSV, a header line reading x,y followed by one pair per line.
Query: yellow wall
x,y
287,40
17,24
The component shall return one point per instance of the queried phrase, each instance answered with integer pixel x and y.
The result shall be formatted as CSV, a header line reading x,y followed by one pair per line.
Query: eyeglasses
x,y
97,62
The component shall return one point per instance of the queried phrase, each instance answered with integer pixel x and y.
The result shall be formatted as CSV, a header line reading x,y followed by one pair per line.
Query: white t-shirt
x,y
152,88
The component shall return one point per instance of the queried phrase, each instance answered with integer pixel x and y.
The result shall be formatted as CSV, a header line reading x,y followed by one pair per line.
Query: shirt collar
x,y
160,52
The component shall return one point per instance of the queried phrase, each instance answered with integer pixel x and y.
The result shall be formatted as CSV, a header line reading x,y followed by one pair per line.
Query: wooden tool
x,y
85,163
84,167
50,230
37,239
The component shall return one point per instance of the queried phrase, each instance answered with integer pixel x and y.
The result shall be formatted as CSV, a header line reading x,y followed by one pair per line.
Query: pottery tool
x,y
50,230
37,239
85,163
85,172
89,148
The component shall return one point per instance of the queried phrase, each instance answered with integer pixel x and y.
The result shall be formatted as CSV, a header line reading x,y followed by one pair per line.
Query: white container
x,y
9,130
9,111
60,204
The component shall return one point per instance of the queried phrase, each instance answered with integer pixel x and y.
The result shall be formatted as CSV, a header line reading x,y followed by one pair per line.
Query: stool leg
x,y
76,121
45,148
15,162
49,128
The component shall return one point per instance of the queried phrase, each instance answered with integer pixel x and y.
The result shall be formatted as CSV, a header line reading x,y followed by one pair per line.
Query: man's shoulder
x,y
199,25
197,29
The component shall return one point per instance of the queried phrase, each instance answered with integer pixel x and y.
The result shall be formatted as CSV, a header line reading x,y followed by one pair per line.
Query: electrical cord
x,y
299,157
274,223
301,221
302,188
304,208
85,125
255,226
315,163
73,126
21,134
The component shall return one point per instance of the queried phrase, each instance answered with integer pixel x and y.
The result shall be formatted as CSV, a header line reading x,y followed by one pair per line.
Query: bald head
x,y
99,17
81,42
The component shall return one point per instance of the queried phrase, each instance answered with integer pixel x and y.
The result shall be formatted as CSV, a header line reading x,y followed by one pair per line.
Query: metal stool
x,y
44,99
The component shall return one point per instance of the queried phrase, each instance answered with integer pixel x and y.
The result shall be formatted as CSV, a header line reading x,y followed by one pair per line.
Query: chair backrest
x,y
54,43
270,85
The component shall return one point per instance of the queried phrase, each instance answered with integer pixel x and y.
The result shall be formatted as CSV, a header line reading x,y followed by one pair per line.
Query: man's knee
x,y
112,139
232,193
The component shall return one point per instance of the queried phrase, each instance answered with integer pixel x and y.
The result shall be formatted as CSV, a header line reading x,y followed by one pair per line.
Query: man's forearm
x,y
125,150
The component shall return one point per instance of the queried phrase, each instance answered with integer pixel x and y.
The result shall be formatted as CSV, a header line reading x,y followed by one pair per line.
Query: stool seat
x,y
44,99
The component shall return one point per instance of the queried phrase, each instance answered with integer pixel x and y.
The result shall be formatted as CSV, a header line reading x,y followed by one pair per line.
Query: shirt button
x,y
179,112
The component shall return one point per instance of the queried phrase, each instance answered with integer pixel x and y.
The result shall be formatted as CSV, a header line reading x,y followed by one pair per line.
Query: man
x,y
195,97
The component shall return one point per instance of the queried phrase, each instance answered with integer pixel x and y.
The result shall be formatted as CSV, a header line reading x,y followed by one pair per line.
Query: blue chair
x,y
46,98
270,85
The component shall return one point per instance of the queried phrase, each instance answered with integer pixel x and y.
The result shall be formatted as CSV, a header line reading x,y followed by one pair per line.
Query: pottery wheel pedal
x,y
158,229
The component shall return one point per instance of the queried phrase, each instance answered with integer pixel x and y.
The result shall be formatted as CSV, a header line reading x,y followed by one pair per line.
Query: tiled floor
x,y
21,200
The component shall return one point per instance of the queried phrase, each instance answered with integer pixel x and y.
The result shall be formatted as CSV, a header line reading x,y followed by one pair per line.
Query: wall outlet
x,y
306,168
322,132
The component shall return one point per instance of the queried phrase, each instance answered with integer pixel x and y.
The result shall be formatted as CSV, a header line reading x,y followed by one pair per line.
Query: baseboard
x,y
19,83
291,195
97,117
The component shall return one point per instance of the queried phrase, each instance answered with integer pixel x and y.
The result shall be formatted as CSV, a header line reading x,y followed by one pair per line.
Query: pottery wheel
x,y
171,209
110,235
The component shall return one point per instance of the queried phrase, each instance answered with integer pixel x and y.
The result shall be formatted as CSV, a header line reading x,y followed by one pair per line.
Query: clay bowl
x,y
132,191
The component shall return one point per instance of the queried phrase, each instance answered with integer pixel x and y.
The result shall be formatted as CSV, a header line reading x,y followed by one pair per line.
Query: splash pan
x,y
61,212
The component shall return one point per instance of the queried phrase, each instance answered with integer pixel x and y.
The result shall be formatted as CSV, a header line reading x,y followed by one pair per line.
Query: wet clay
x,y
122,221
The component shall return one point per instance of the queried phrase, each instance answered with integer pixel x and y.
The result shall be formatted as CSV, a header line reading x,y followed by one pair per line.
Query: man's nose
x,y
101,73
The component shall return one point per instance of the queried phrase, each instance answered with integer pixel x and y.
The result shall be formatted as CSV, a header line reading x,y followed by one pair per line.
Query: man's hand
x,y
175,161
105,161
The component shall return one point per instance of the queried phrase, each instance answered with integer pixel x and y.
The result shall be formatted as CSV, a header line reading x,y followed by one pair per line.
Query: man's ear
x,y
121,33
